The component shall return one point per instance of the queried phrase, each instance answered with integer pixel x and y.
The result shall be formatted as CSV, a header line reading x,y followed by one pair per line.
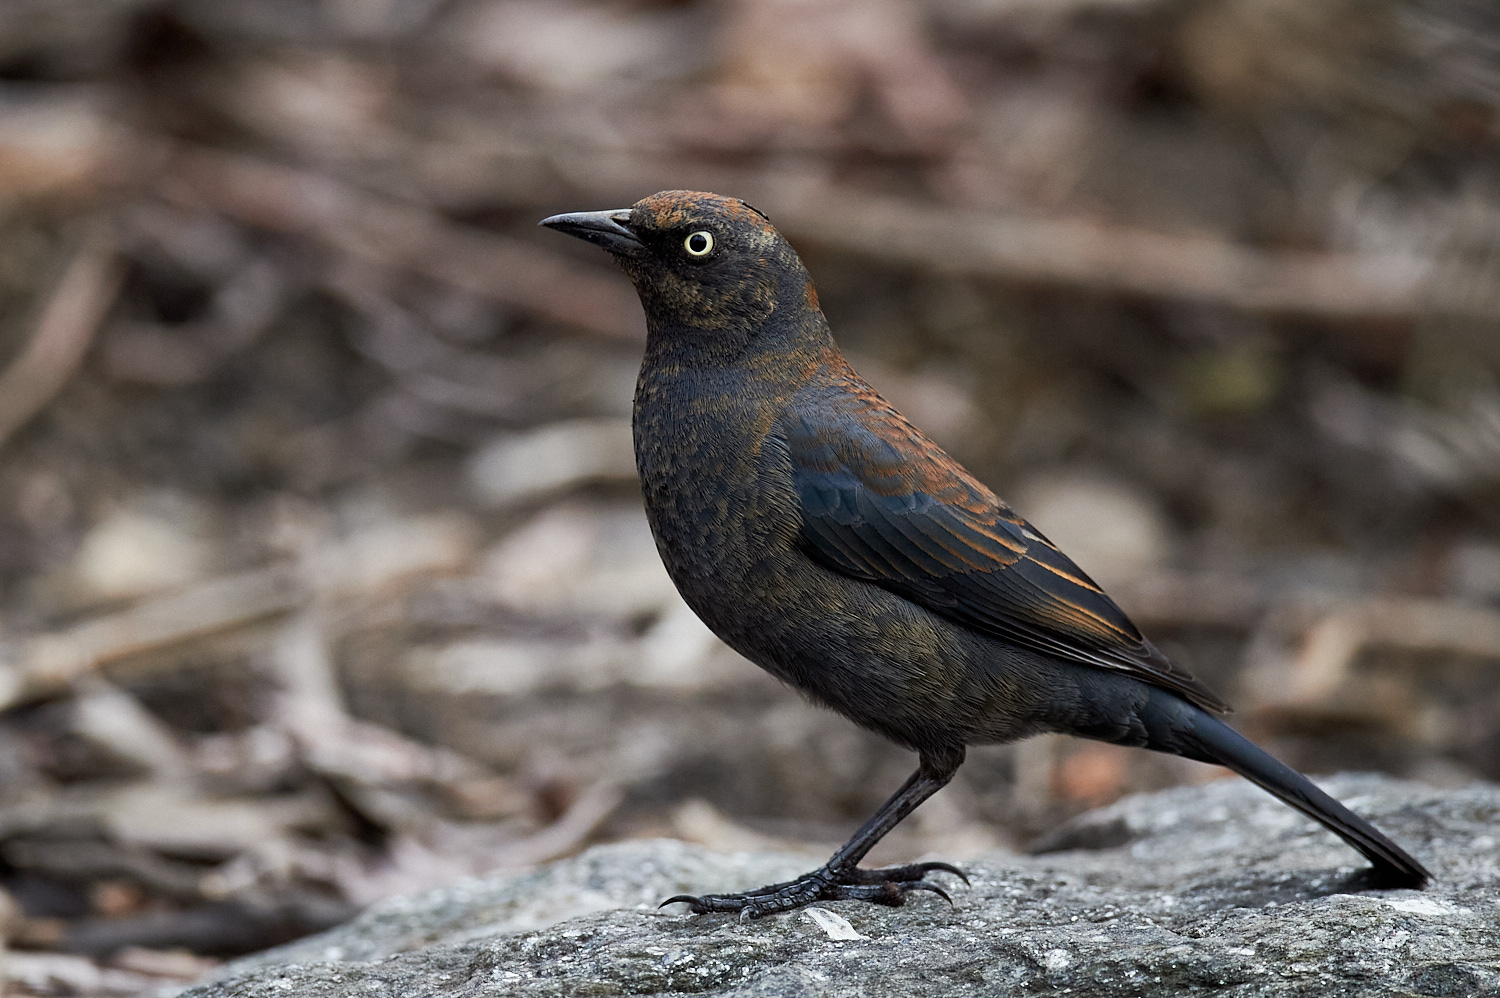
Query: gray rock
x,y
1216,889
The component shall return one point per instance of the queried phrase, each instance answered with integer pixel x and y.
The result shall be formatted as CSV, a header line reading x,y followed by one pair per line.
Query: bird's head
x,y
707,267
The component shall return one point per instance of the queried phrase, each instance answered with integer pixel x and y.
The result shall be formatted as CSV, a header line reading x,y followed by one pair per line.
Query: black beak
x,y
602,228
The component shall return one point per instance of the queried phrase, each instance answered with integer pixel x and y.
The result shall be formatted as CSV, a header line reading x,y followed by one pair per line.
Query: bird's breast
x,y
720,496
717,483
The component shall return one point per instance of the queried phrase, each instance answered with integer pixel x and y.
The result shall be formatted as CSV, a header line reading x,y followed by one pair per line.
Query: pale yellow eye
x,y
699,243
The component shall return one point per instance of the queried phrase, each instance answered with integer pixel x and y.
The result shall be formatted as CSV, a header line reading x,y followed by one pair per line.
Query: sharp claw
x,y
681,898
922,885
947,868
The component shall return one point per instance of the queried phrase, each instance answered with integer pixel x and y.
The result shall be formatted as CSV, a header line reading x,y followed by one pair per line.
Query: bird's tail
x,y
1179,728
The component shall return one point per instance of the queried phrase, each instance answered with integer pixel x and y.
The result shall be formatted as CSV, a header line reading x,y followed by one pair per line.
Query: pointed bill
x,y
609,229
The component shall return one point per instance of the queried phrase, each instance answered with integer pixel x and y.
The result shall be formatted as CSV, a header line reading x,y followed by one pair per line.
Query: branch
x,y
1084,253
63,332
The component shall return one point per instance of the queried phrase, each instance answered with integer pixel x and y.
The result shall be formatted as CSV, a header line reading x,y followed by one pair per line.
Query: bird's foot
x,y
888,886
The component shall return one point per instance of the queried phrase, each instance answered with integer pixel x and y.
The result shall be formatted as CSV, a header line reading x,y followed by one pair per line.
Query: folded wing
x,y
881,502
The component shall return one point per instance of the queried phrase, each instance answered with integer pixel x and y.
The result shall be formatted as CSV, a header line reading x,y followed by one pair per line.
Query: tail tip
x,y
1410,875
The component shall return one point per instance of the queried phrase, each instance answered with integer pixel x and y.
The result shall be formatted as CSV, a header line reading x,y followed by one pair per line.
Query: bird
x,y
825,538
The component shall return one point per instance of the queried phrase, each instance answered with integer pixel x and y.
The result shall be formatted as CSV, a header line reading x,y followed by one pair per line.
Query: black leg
x,y
841,879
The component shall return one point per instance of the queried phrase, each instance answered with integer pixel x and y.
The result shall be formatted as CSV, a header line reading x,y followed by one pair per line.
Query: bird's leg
x,y
841,879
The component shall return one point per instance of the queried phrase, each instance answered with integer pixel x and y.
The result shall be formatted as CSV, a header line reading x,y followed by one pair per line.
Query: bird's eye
x,y
699,243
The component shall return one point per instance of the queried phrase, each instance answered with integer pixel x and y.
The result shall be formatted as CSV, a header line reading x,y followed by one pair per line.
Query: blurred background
x,y
323,569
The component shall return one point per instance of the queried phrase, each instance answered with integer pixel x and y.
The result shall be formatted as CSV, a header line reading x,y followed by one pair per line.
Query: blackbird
x,y
826,539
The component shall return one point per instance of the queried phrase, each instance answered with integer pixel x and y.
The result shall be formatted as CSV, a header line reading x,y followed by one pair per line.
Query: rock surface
x,y
1217,889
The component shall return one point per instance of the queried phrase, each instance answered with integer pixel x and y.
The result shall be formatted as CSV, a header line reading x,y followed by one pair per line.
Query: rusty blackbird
x,y
823,537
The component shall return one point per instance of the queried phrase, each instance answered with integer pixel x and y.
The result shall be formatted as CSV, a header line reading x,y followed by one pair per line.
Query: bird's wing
x,y
881,502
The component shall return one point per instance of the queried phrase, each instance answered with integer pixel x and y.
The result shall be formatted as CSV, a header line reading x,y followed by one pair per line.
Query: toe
x,y
938,867
924,885
899,874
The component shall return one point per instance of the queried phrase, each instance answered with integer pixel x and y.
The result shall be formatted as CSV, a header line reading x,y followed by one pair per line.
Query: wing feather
x,y
882,503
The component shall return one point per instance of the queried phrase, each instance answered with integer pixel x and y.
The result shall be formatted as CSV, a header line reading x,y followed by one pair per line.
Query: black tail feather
x,y
1179,728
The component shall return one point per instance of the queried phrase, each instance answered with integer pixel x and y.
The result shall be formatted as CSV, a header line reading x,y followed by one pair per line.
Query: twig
x,y
59,973
1314,680
49,662
232,926
406,237
63,332
92,859
310,706
1332,645
365,565
1085,253
567,833
426,368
